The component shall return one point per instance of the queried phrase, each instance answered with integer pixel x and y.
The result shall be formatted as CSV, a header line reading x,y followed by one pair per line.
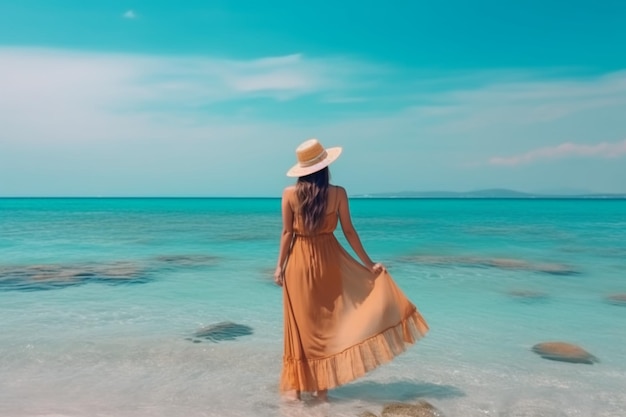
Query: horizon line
x,y
597,196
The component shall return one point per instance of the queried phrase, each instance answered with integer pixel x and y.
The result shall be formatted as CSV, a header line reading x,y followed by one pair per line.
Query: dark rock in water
x,y
223,331
45,277
555,269
38,277
546,268
119,273
188,260
528,295
617,299
500,263
119,270
419,409
565,352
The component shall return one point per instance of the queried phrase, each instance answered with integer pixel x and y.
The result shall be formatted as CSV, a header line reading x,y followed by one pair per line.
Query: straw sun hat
x,y
312,157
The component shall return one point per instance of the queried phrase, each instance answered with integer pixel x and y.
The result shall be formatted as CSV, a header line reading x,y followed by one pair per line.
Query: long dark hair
x,y
312,192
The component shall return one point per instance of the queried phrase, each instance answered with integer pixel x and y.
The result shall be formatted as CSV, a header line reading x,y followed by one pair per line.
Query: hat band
x,y
313,161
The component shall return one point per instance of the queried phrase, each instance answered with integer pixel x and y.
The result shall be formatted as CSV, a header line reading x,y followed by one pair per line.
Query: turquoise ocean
x,y
101,301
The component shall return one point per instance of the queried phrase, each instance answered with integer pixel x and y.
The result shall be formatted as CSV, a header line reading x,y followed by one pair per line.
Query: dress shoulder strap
x,y
333,199
293,200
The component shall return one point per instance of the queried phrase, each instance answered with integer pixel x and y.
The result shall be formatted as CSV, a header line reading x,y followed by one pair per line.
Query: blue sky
x,y
198,98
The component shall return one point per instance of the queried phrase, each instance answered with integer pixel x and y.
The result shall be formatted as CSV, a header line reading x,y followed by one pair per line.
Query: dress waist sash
x,y
313,235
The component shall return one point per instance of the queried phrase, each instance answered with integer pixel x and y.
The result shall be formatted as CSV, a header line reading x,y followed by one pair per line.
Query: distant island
x,y
488,193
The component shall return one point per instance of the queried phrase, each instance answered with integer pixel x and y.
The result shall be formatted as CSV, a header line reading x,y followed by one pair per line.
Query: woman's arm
x,y
285,237
351,234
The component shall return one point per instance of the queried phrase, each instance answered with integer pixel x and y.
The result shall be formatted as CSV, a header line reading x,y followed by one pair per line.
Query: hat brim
x,y
331,155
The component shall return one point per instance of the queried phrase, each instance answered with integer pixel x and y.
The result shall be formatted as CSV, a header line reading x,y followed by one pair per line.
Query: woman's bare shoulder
x,y
340,190
289,190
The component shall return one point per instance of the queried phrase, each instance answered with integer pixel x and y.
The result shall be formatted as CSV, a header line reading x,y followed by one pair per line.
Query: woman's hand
x,y
279,276
377,268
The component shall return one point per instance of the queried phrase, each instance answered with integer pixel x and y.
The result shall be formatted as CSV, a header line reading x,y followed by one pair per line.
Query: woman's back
x,y
329,222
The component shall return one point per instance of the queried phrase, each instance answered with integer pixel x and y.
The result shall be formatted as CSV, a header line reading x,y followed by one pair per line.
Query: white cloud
x,y
600,150
48,94
129,14
521,99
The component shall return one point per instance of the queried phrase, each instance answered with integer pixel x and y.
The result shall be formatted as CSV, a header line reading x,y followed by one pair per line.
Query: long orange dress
x,y
340,320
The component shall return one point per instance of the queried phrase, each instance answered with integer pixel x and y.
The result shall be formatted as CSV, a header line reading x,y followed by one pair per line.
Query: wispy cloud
x,y
129,14
520,98
195,79
76,94
563,150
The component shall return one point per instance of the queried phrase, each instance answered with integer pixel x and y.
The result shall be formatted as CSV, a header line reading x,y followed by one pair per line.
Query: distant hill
x,y
488,193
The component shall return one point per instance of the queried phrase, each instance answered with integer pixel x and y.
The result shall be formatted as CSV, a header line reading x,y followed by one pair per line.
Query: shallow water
x,y
99,298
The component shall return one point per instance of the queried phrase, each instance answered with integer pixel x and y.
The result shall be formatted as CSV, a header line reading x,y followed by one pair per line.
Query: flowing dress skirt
x,y
340,320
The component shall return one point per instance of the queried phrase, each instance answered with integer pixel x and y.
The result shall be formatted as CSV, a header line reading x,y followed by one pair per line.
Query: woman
x,y
341,318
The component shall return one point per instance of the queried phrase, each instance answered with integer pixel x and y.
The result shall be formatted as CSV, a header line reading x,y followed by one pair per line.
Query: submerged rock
x,y
191,260
528,295
222,331
565,352
500,263
43,272
555,269
419,409
50,276
504,263
617,299
119,270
